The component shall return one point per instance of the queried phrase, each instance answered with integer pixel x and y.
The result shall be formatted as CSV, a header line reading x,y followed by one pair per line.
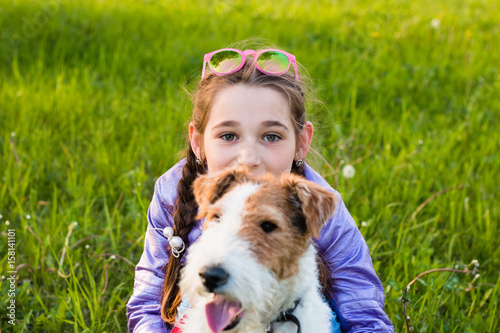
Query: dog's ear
x,y
317,204
208,189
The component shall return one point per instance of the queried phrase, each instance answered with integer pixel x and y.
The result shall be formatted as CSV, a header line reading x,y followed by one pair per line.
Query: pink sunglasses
x,y
268,61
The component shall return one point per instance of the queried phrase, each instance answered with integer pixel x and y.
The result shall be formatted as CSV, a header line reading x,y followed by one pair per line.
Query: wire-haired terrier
x,y
254,267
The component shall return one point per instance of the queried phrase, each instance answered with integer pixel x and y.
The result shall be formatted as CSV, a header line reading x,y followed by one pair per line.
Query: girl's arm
x,y
358,293
143,308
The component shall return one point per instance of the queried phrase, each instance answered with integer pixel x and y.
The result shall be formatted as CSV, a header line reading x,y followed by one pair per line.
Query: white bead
x,y
168,232
176,242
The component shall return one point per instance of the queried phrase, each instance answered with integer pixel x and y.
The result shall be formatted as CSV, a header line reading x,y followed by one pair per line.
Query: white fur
x,y
262,296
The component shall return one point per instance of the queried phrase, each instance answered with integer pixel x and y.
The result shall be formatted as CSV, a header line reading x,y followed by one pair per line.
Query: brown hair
x,y
186,208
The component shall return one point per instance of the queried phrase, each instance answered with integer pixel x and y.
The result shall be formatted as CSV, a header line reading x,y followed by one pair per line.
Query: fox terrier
x,y
254,267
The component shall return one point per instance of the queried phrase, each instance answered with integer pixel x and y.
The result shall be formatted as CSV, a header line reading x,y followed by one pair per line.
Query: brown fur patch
x,y
208,189
298,208
318,205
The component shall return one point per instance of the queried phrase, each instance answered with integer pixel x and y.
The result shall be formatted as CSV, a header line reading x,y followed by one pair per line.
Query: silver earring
x,y
299,162
198,160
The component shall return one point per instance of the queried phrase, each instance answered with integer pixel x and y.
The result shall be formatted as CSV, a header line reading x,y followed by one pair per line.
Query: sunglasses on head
x,y
268,61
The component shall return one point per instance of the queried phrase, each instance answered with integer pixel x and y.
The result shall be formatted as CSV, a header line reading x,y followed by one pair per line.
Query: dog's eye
x,y
215,218
268,226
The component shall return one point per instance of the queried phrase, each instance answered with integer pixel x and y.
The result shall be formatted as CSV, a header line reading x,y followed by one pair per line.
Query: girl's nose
x,y
249,156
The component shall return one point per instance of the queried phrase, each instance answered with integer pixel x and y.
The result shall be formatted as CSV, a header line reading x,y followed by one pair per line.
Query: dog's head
x,y
256,231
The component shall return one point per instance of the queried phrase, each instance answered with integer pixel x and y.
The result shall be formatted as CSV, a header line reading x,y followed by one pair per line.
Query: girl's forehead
x,y
245,105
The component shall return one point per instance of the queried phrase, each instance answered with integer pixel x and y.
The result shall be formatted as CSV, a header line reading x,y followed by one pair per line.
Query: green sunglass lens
x,y
225,61
273,62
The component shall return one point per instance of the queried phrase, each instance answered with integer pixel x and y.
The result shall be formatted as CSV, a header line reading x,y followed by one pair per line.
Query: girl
x,y
248,110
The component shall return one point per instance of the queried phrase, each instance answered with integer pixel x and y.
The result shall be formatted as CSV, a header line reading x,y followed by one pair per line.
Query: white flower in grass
x,y
420,141
348,171
12,134
364,224
113,257
87,247
28,217
7,222
435,23
1,216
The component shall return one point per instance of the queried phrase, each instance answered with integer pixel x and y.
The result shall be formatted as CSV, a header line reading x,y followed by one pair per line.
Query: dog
x,y
254,267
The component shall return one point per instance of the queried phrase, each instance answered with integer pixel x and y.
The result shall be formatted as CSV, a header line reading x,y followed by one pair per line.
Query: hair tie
x,y
176,243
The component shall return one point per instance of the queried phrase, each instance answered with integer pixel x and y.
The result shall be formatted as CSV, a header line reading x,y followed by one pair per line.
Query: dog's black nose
x,y
213,277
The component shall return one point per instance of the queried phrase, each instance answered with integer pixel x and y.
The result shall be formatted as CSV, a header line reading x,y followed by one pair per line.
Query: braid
x,y
184,221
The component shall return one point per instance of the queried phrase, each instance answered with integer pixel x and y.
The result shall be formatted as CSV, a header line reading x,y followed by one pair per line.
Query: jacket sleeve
x,y
143,308
358,296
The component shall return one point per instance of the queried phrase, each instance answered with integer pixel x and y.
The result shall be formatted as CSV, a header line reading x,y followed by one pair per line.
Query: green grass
x,y
92,111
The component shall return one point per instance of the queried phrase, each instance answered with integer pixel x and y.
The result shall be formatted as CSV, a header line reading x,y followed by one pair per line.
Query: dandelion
x,y
364,224
12,134
75,223
1,216
477,276
375,34
420,141
435,23
475,263
28,217
348,171
113,257
3,277
19,93
468,33
7,223
87,247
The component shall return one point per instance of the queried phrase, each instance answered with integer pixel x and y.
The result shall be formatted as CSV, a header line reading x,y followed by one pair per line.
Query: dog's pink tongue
x,y
220,313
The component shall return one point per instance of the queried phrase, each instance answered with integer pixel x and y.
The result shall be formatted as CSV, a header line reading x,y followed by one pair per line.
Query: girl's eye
x,y
271,137
228,137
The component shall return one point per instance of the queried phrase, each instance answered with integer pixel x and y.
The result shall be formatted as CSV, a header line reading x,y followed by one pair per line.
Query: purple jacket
x,y
359,295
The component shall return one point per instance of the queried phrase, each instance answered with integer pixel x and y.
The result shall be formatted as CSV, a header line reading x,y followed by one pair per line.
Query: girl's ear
x,y
304,140
195,141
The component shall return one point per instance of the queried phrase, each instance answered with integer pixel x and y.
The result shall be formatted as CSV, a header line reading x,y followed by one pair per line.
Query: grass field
x,y
93,111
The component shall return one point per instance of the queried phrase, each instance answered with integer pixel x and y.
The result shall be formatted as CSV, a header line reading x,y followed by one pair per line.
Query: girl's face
x,y
250,126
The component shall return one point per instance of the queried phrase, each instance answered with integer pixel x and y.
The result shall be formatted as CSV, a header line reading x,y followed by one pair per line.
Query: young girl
x,y
249,110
